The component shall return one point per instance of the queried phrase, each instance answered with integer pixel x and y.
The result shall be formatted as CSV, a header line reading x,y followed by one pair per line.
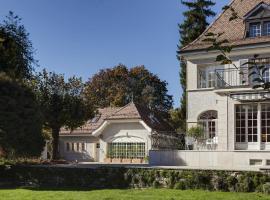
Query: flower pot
x,y
137,160
126,160
117,160
107,160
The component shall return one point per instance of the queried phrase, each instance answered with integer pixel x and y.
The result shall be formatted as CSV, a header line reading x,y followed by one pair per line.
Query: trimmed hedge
x,y
59,177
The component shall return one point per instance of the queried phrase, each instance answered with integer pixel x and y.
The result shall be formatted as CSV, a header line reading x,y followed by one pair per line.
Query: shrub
x,y
232,183
196,132
37,176
180,185
266,188
156,184
219,182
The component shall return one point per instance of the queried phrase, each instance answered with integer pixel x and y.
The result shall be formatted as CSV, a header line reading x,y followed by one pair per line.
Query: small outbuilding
x,y
122,135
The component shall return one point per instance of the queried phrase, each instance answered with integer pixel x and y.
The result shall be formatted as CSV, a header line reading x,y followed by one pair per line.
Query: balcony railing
x,y
203,144
232,77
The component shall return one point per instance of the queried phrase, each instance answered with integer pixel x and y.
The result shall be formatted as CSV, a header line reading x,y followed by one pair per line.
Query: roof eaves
x,y
234,46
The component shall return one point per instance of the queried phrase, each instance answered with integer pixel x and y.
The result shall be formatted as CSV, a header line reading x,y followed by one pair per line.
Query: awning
x,y
251,96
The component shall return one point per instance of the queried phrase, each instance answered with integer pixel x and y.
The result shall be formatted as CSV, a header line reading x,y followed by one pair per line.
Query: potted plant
x,y
109,155
146,159
136,160
196,132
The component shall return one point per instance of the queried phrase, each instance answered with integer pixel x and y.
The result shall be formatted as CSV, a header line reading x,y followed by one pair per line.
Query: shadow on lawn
x,y
59,188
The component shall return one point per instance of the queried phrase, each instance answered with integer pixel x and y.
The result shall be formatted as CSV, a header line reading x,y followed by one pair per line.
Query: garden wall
x,y
227,160
56,177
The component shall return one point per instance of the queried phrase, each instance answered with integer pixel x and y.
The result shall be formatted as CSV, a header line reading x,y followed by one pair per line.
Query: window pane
x,y
267,28
246,113
265,123
202,79
126,150
255,30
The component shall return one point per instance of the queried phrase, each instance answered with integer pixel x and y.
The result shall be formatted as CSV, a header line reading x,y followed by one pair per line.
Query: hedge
x,y
105,177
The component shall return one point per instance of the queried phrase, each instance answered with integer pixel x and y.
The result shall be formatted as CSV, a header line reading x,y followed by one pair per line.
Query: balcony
x,y
232,77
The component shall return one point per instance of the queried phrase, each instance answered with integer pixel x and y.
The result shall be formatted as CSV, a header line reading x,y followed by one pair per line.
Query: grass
x,y
133,194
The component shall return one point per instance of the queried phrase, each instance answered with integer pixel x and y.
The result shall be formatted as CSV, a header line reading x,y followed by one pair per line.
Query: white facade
x,y
241,127
96,145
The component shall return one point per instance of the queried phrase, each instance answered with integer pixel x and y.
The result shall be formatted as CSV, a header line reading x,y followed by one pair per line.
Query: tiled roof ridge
x,y
110,107
121,108
210,25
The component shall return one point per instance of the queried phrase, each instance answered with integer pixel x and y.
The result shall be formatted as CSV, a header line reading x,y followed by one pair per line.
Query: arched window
x,y
208,120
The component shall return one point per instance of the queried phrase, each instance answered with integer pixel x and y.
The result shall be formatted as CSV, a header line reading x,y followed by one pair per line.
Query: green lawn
x,y
155,194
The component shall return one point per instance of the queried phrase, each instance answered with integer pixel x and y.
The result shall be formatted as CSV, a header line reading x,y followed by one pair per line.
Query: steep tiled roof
x,y
130,111
91,124
234,31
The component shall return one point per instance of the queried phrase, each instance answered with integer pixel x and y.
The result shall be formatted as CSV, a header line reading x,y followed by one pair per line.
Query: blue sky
x,y
80,37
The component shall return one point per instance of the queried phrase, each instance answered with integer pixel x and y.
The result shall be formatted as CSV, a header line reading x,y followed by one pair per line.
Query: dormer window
x,y
258,21
267,28
255,30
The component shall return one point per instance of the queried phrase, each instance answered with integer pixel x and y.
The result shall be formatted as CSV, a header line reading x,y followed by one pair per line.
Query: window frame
x,y
120,150
210,79
264,25
248,124
265,116
253,24
209,121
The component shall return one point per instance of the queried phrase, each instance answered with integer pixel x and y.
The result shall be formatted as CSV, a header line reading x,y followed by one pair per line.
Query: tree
x,y
118,86
176,119
193,26
62,104
20,120
16,49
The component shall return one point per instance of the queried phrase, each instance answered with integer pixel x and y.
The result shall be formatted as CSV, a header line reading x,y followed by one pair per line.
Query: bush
x,y
180,185
156,184
37,176
266,188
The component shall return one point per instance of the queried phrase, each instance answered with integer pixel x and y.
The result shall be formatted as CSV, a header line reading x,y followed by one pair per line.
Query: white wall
x,y
229,160
201,100
88,155
123,132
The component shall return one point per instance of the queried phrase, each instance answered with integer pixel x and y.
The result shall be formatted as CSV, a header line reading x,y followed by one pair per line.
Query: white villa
x,y
235,117
118,135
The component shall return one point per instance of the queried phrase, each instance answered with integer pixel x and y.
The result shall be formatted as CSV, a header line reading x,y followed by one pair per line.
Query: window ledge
x,y
201,89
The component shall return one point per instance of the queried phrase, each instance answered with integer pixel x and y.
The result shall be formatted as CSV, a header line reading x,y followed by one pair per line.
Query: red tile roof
x,y
234,31
130,111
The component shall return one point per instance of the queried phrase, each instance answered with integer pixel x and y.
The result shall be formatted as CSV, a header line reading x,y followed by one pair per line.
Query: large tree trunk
x,y
55,143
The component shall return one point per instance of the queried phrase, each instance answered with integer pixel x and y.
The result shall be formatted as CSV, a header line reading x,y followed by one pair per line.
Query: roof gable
x,y
129,112
262,10
234,31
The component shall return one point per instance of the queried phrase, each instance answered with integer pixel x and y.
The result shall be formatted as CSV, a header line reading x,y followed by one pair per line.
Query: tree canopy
x,y
16,49
20,120
62,103
119,85
194,24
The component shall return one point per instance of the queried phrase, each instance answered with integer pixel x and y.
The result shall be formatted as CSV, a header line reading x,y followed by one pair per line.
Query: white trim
x,y
145,126
99,130
74,135
113,138
237,51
